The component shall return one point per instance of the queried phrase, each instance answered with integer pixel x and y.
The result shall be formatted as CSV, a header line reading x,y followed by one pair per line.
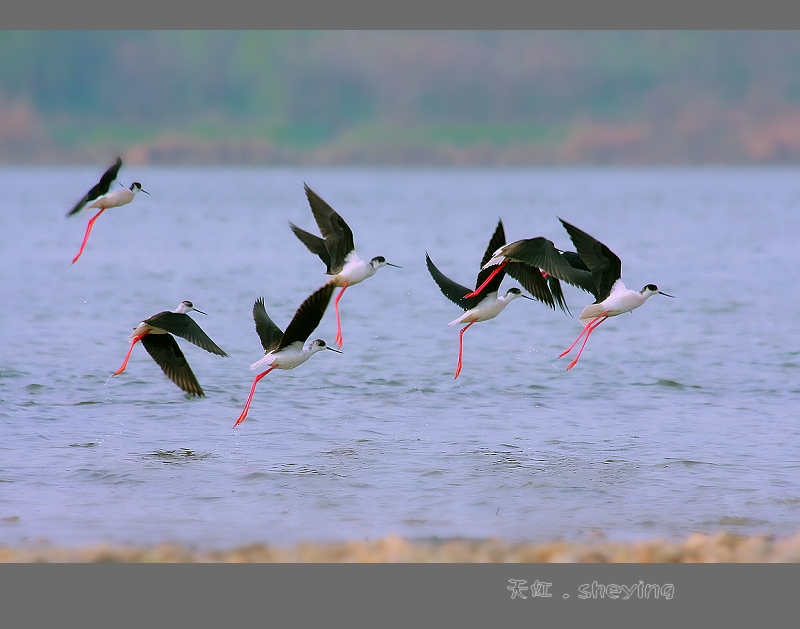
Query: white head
x,y
137,187
513,293
379,261
652,289
318,345
186,307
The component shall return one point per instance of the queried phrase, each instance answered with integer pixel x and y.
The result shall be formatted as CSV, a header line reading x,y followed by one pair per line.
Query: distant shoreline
x,y
724,547
190,152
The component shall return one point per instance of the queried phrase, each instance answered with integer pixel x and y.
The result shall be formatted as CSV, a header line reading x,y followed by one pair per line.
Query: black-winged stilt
x,y
156,333
286,350
484,304
598,271
612,297
336,250
101,198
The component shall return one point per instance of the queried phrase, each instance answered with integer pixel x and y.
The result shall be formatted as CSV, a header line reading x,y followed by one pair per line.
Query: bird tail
x,y
459,320
592,311
264,362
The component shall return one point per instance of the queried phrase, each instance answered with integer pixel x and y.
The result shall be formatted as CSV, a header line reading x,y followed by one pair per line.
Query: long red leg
x,y
128,355
250,397
593,328
575,342
339,339
461,346
488,279
86,235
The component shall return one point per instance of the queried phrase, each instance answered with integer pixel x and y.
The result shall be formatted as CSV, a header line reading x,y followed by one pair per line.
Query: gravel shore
x,y
697,548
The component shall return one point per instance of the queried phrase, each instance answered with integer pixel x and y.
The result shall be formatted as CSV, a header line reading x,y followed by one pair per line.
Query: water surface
x,y
681,416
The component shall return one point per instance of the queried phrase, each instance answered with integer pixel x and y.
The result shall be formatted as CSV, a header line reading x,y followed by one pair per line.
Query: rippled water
x,y
679,417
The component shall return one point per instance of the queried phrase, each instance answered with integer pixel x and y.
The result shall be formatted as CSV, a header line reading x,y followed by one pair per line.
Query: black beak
x,y
665,295
200,311
333,350
394,265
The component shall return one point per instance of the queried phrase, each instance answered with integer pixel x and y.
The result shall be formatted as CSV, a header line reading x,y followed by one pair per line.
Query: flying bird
x,y
337,251
100,198
286,350
612,297
483,304
156,333
100,188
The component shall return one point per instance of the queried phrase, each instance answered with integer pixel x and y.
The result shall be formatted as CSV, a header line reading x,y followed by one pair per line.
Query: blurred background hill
x,y
400,97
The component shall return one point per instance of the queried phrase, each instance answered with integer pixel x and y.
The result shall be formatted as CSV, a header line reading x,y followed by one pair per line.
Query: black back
x,y
181,324
605,266
100,188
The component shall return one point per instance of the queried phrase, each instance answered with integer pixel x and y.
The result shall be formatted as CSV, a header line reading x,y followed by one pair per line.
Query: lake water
x,y
681,416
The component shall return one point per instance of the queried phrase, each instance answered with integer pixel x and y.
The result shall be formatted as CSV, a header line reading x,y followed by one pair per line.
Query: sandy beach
x,y
697,548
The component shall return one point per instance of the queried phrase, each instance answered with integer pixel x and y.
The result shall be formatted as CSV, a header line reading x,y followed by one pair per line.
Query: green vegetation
x,y
309,90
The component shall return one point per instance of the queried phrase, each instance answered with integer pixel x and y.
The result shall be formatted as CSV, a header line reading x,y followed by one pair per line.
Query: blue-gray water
x,y
679,417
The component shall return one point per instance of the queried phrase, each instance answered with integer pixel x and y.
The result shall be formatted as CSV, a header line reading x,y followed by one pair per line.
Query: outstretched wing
x,y
498,240
337,234
184,326
269,333
604,264
163,348
315,245
532,281
541,253
558,295
307,317
100,188
452,290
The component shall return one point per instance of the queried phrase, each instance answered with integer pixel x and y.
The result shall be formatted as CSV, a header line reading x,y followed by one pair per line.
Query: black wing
x,y
498,240
452,290
163,348
307,317
101,187
604,264
269,333
541,253
184,326
532,281
558,295
315,245
338,236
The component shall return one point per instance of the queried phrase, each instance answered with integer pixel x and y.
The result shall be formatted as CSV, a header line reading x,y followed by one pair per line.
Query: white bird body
x,y
488,308
619,301
116,198
356,270
290,356
105,201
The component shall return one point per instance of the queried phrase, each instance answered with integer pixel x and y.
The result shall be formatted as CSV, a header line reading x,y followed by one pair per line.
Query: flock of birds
x,y
536,263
